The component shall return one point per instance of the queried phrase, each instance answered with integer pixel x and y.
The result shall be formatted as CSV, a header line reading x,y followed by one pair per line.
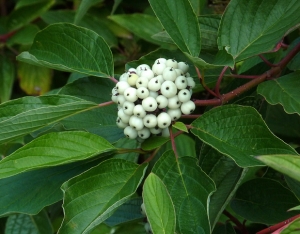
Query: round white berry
x,y
173,102
128,107
144,133
153,94
122,86
174,114
141,68
161,60
183,66
142,82
132,78
123,77
179,72
139,111
148,73
162,101
130,132
142,92
169,74
131,71
190,81
168,89
125,118
136,123
181,82
187,107
158,67
184,95
150,121
114,98
154,84
163,120
171,63
130,94
160,78
149,104
156,130
120,100
120,123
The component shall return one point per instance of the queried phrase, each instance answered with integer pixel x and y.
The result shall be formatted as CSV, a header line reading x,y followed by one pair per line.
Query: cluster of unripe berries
x,y
149,99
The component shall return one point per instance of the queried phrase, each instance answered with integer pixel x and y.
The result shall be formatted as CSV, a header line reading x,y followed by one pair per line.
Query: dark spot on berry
x,y
126,108
148,121
183,81
140,82
158,103
156,127
191,111
138,114
174,118
127,136
173,60
142,91
165,123
177,102
150,105
167,88
184,93
127,94
156,81
141,135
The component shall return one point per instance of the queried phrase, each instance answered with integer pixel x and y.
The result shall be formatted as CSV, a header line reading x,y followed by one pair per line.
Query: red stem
x,y
243,76
113,79
203,83
238,224
217,88
190,116
5,37
105,103
267,61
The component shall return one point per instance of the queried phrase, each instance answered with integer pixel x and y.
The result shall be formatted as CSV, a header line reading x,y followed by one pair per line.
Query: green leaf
x,y
25,115
34,80
189,188
24,36
7,76
142,25
33,224
83,52
295,208
105,187
284,91
264,201
180,126
292,228
154,142
128,212
294,64
26,13
224,229
41,186
54,149
180,21
253,27
158,205
226,175
83,8
294,185
285,163
240,133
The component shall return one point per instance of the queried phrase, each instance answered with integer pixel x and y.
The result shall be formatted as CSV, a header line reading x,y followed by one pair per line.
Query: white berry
x,y
122,86
142,92
136,123
163,120
132,78
173,102
144,134
154,84
150,121
171,63
128,107
130,132
174,114
181,82
184,95
187,107
130,94
169,74
139,111
168,89
149,104
183,66
162,101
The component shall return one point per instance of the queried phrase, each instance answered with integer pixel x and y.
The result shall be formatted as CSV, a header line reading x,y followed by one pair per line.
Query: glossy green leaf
x,y
26,13
163,37
34,80
295,208
240,133
292,228
189,188
7,76
226,175
284,90
54,149
41,186
25,224
142,25
294,185
128,212
226,228
83,8
25,115
180,21
180,126
294,64
285,163
105,187
154,142
24,36
253,27
264,201
158,205
67,47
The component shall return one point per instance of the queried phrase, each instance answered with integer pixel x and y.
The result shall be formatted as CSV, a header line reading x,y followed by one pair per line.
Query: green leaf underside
x,y
181,23
22,116
42,186
189,188
255,201
286,164
91,197
158,205
54,149
283,91
142,25
240,133
70,48
253,27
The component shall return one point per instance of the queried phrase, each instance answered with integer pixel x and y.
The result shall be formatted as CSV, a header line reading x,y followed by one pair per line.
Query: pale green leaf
x,y
54,149
105,187
180,126
158,205
292,228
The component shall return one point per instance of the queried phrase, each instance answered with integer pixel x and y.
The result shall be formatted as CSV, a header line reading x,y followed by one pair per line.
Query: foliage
x,y
67,168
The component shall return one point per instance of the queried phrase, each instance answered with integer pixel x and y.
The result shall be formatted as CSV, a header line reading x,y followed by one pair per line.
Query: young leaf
x,y
255,201
7,76
181,23
240,133
54,149
91,197
142,25
22,223
67,47
180,126
189,188
284,90
22,116
158,205
83,8
285,163
253,27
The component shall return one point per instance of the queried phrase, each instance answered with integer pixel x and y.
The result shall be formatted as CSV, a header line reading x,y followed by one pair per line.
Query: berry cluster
x,y
150,99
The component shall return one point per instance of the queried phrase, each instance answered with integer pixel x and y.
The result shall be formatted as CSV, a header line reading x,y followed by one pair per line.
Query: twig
x,y
152,155
203,83
105,103
267,61
243,76
217,88
190,116
238,224
113,79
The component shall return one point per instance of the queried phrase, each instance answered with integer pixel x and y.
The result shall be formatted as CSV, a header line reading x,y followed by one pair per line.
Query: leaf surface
x,y
7,76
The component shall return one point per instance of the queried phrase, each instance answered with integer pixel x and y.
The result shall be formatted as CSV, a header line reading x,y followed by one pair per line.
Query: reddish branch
x,y
204,84
273,72
238,224
5,37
